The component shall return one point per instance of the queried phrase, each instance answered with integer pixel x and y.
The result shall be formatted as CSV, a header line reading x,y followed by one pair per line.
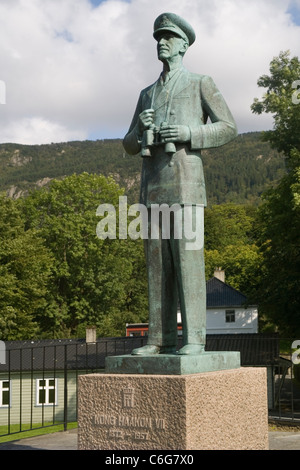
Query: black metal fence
x,y
38,382
286,382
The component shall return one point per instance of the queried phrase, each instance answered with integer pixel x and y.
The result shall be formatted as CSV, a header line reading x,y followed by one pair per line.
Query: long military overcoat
x,y
188,99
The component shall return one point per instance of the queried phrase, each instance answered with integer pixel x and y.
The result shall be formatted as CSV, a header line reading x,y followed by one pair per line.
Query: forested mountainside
x,y
238,172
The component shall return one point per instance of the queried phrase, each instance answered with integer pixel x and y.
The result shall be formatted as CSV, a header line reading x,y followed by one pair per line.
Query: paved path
x,y
68,441
283,440
57,441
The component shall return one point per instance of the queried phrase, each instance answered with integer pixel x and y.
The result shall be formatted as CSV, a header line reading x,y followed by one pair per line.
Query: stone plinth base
x,y
170,364
224,410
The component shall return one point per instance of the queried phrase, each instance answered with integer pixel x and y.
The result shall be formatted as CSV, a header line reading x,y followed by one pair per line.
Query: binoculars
x,y
152,138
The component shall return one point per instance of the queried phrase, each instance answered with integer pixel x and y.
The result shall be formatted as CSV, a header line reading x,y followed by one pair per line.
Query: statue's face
x,y
169,46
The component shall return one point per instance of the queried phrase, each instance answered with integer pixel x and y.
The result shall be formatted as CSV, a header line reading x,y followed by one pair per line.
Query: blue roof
x,y
220,294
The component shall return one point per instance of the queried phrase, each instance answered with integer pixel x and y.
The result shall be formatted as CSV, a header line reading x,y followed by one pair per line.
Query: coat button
x,y
171,163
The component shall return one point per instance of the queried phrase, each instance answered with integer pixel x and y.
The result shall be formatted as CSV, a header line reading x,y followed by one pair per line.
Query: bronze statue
x,y
169,128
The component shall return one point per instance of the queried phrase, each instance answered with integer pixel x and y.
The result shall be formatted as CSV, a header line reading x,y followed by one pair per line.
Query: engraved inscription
x,y
127,421
128,435
135,421
105,420
129,427
160,423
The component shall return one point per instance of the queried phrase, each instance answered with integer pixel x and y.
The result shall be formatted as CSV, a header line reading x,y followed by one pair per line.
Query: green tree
x,y
242,265
228,224
230,244
281,100
279,221
25,269
95,282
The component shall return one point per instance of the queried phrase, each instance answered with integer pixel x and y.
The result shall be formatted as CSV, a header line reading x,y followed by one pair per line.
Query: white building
x,y
226,308
227,311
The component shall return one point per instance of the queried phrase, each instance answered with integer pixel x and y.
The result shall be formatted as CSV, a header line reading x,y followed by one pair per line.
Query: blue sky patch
x,y
65,34
96,3
294,11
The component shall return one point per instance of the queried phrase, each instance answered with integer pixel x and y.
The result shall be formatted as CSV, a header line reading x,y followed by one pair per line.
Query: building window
x,y
229,316
46,391
4,393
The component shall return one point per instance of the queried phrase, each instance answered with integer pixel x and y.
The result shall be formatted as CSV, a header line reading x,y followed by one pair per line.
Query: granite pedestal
x,y
217,410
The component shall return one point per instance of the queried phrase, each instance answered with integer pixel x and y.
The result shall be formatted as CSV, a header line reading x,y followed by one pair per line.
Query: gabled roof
x,y
220,294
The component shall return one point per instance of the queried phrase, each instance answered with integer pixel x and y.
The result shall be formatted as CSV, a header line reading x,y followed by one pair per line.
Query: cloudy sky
x,y
73,69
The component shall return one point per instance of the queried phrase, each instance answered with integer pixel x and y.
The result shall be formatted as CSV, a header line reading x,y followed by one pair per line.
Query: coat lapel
x,y
158,95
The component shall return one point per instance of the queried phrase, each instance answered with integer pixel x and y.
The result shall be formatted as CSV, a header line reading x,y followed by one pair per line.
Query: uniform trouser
x,y
176,273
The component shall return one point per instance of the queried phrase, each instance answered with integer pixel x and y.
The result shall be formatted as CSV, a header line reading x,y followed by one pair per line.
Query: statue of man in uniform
x,y
170,128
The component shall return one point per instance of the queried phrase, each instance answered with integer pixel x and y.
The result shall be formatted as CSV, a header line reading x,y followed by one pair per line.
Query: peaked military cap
x,y
175,24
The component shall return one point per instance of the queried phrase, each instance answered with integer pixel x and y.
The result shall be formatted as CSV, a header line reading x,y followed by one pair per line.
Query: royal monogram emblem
x,y
128,398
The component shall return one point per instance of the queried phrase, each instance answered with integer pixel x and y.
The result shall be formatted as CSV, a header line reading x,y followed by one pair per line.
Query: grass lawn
x,y
15,433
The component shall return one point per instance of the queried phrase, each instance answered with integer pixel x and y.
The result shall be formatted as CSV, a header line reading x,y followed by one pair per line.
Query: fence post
x,y
65,388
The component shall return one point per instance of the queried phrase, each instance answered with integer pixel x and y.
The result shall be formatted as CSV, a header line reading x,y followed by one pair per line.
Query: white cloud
x,y
39,130
73,69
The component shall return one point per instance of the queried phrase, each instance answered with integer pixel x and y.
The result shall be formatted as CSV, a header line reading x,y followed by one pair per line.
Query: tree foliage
x,y
25,270
230,244
279,101
228,224
279,215
279,219
92,279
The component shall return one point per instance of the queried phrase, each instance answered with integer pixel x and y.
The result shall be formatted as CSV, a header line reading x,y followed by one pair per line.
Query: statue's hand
x,y
146,119
175,133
